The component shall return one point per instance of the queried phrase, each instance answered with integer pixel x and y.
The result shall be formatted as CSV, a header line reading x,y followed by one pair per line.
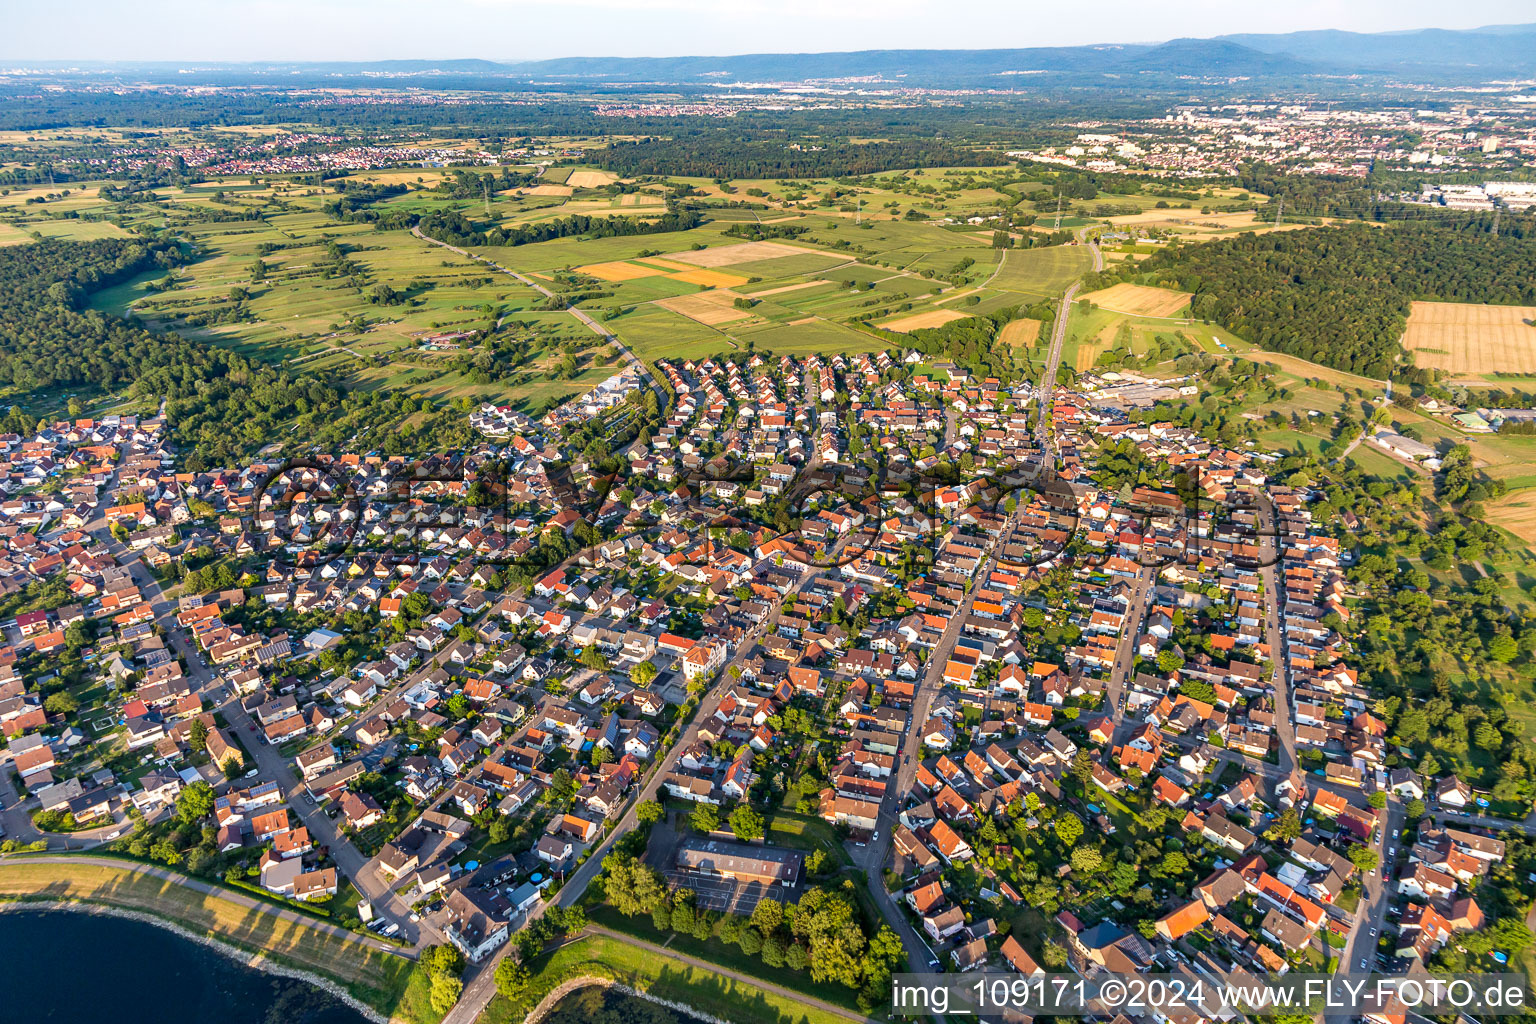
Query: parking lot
x,y
717,893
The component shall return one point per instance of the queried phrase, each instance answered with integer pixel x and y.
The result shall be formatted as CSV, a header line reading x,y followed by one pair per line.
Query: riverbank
x,y
652,975
245,958
274,939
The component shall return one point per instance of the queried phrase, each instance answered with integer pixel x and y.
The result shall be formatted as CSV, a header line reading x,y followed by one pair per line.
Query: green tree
x,y
61,702
446,989
512,975
1087,859
768,915
1286,829
1069,828
649,812
631,887
195,803
1504,648
1363,857
705,818
746,823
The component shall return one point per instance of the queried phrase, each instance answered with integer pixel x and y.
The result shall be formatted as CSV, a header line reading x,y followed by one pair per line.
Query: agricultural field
x,y
781,266
1139,300
1516,513
916,321
1023,332
1464,337
1044,272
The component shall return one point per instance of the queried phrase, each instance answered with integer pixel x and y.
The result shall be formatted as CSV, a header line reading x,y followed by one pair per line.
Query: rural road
x,y
1048,378
597,328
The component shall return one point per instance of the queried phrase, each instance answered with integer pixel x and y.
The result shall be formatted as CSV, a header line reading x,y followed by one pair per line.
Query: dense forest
x,y
456,229
721,155
221,402
1338,296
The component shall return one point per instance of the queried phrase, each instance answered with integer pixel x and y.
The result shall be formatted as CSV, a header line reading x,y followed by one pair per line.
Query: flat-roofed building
x,y
741,861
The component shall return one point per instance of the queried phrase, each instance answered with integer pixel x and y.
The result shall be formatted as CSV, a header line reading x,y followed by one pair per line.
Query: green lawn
x,y
728,956
659,976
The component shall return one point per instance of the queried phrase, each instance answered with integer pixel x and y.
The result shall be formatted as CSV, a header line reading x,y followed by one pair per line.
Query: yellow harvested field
x,y
1465,337
930,318
1020,332
656,261
403,177
744,252
711,308
12,235
546,190
1088,350
591,179
802,321
619,271
711,278
781,289
1516,513
1139,300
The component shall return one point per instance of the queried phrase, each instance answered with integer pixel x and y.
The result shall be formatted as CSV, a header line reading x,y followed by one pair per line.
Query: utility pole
x,y
1496,211
858,214
1280,211
1058,212
486,189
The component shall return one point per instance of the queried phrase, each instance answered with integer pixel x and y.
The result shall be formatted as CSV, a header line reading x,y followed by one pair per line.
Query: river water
x,y
69,967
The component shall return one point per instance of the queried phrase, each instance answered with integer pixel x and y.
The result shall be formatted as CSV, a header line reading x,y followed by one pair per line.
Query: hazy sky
x,y
514,29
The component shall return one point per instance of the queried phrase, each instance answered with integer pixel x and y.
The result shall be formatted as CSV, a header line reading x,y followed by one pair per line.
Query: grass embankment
x,y
373,977
727,955
663,977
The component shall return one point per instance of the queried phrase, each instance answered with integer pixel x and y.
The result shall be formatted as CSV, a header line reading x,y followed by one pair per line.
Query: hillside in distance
x,y
1425,55
1496,49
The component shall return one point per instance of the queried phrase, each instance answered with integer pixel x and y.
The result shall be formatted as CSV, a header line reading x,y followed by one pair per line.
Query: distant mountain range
x,y
1428,55
1481,53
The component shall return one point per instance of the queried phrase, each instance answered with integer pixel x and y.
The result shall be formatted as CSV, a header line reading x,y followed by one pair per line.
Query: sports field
x,y
1465,337
1139,300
